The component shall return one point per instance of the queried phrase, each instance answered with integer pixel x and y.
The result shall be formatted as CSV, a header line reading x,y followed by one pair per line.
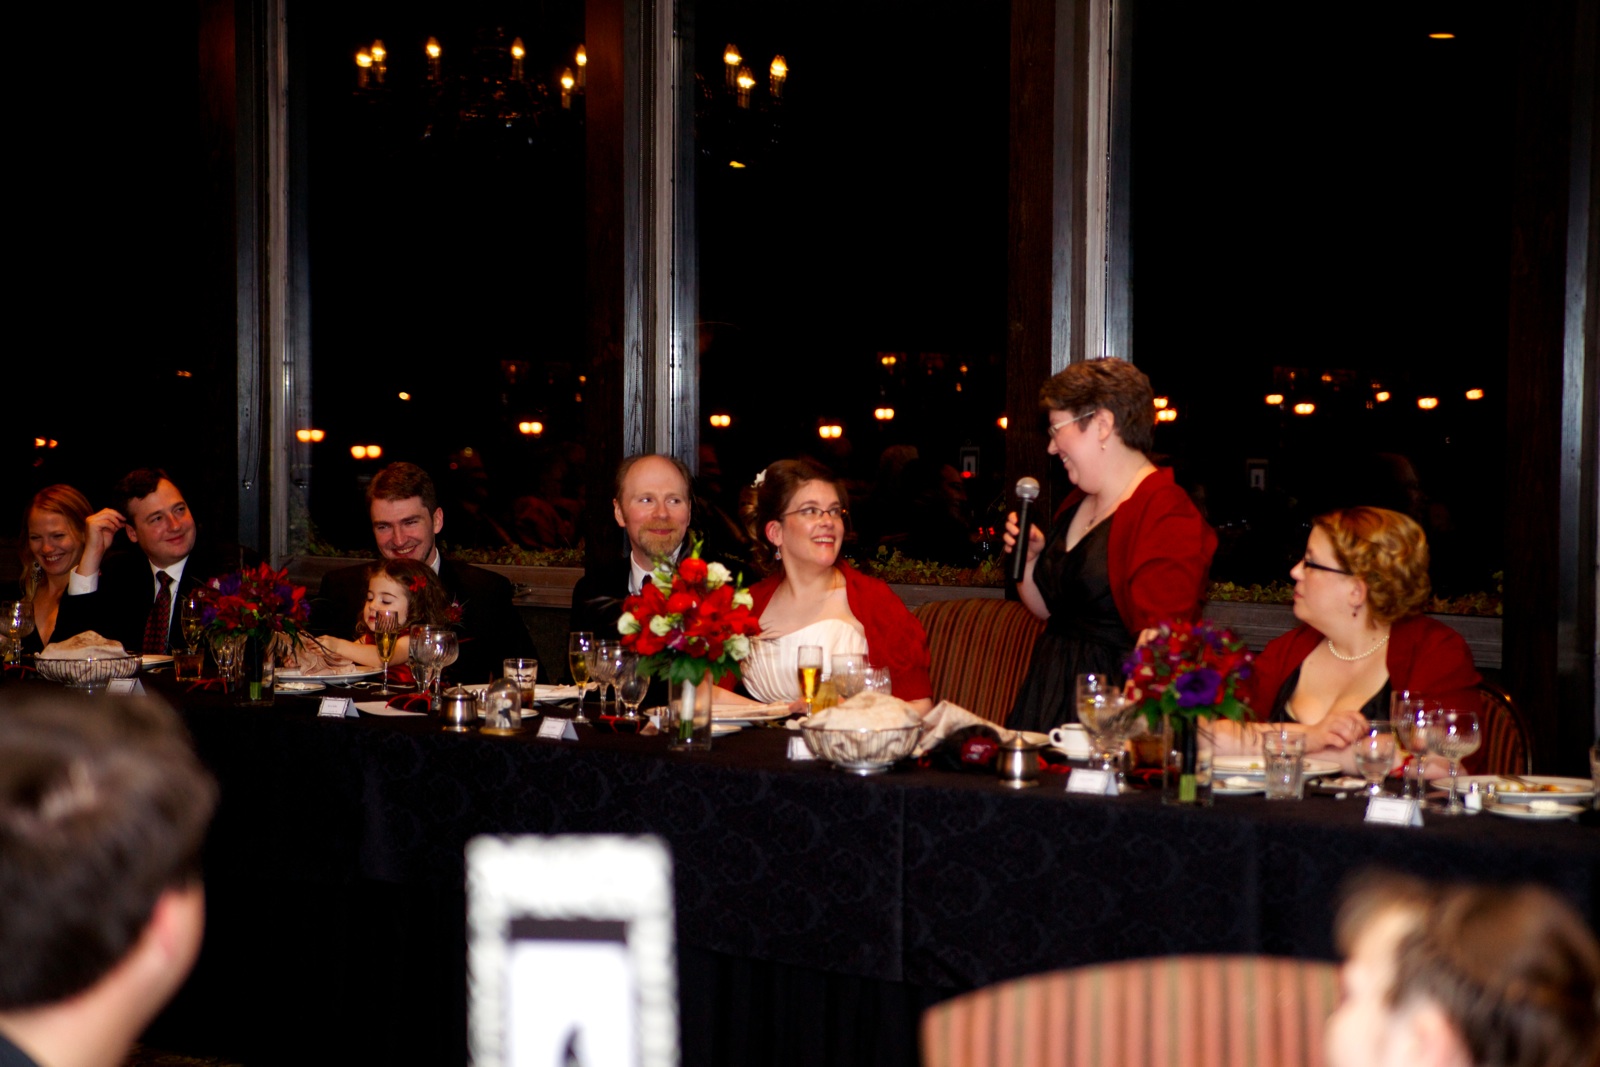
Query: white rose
x,y
716,574
661,625
737,646
627,624
743,599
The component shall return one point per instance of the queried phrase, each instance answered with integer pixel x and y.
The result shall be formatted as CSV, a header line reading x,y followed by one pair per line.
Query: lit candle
x,y
780,74
746,81
380,60
363,68
581,58
434,52
517,52
731,60
567,82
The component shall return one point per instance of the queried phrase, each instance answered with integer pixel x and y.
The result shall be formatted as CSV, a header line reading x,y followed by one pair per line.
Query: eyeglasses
x,y
1305,562
812,513
1054,426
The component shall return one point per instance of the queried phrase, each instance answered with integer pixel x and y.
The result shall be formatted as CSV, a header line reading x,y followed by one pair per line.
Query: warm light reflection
x,y
405,396
1474,394
1382,396
1442,36
776,74
888,359
1003,422
581,57
433,49
363,59
1327,378
731,56
567,80
517,49
735,164
1304,408
38,442
828,431
186,374
883,414
1427,403
1167,415
722,421
747,80
1160,402
530,428
379,53
1274,398
358,451
310,436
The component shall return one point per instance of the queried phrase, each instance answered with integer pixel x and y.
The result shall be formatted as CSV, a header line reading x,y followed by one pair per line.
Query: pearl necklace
x,y
1360,655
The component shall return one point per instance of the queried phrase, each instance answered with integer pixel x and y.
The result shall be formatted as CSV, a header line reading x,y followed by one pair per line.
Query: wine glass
x,y
1408,713
1454,734
631,685
580,652
16,622
386,634
849,674
808,667
192,617
607,657
226,649
424,655
1107,716
878,680
449,651
1374,752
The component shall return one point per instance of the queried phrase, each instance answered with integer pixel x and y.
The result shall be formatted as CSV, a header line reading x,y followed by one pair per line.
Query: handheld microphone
x,y
1027,492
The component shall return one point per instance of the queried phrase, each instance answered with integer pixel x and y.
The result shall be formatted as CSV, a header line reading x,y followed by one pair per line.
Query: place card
x,y
1100,783
798,749
126,687
557,729
1395,811
337,708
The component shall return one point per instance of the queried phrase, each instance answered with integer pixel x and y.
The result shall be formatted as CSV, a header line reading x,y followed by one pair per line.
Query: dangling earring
x,y
1355,610
777,554
1102,446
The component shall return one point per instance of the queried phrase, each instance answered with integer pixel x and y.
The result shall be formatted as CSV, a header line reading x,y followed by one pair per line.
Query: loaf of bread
x,y
87,645
867,711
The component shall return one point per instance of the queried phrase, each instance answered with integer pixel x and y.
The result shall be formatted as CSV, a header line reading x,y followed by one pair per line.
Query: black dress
x,y
1376,709
1084,634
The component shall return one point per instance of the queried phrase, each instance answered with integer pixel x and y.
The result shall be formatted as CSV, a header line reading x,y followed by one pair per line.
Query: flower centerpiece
x,y
1184,676
255,606
690,624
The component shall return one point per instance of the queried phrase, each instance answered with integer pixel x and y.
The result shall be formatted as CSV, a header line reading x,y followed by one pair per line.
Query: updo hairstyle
x,y
1113,384
1388,551
768,501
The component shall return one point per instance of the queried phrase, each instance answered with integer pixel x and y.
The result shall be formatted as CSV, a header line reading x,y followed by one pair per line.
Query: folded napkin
x,y
378,707
18,670
207,684
412,702
947,719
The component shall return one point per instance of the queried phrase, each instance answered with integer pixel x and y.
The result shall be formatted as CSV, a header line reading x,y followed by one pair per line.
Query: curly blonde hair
x,y
1386,550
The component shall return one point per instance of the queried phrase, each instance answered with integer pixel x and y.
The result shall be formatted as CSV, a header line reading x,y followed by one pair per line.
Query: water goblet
x,y
1408,713
449,652
878,680
607,654
849,674
631,685
1374,753
227,649
16,622
386,635
580,655
1454,734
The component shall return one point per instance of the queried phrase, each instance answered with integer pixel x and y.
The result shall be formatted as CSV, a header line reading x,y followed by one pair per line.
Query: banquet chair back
x,y
980,650
1200,1011
1507,746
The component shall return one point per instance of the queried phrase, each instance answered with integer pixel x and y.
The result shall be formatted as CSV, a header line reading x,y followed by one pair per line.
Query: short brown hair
x,y
1113,384
1386,550
103,807
60,500
138,484
764,503
1515,970
402,481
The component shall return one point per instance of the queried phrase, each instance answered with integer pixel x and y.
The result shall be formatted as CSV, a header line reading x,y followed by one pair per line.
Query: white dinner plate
x,y
151,659
1522,811
1508,791
542,694
297,687
1253,767
1235,790
749,713
344,674
722,729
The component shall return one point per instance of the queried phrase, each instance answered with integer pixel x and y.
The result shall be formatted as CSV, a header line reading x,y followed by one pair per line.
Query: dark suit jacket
x,y
121,604
491,630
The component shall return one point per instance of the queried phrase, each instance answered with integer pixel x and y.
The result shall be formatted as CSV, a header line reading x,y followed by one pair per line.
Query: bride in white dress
x,y
812,598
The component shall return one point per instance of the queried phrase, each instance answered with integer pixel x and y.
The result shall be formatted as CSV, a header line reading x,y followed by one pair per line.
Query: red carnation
x,y
693,570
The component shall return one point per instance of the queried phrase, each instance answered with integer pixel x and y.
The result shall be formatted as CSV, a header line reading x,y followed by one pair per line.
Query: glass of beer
x,y
580,653
524,672
809,669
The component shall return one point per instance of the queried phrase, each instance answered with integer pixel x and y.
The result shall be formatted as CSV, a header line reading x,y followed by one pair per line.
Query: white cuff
x,y
77,583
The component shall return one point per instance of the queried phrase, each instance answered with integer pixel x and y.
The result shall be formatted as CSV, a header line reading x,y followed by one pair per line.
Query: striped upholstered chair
x,y
1507,746
980,649
1198,1011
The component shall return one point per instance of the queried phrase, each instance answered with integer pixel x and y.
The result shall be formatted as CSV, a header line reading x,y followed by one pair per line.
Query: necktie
x,y
155,627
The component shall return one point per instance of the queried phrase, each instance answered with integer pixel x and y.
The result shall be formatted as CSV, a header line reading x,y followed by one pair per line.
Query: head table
x,y
818,912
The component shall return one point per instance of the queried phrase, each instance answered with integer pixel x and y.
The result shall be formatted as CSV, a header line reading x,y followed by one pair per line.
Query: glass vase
x,y
688,726
256,673
1186,772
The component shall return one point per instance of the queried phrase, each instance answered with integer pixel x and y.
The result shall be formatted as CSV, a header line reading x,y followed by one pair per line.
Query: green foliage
x,y
897,569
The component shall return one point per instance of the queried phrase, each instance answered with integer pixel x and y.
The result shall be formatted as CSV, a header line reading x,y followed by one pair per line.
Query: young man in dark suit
x,y
406,517
137,598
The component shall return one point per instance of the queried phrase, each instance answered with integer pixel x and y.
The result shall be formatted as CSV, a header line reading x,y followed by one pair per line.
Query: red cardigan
x,y
1159,555
1423,654
895,639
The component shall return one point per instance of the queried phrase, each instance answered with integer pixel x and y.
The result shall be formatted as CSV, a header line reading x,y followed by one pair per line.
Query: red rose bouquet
x,y
257,602
1188,671
688,621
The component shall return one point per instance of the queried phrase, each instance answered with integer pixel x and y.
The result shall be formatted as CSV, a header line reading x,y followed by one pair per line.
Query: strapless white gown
x,y
771,671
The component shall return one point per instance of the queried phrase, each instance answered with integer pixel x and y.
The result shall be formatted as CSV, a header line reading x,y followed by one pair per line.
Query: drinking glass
x,y
1374,752
525,672
192,618
808,666
16,622
631,685
1284,751
607,655
1454,734
386,635
426,651
227,650
1408,712
580,653
849,674
1107,717
878,680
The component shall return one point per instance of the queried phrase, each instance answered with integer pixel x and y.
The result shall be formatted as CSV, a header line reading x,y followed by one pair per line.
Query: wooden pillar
x,y
1551,385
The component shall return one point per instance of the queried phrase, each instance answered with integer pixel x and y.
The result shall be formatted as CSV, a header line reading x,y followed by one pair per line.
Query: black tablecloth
x,y
817,912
